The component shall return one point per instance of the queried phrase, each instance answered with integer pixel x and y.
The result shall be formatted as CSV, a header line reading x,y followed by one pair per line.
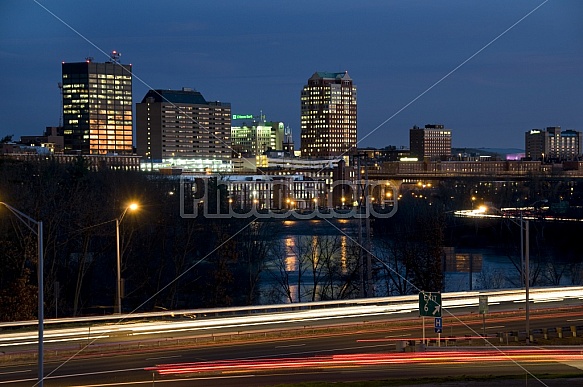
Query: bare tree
x,y
394,270
575,272
255,244
324,260
413,248
492,279
280,272
344,271
301,251
288,266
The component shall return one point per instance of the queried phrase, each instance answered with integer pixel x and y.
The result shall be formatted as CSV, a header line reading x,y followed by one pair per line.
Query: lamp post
x,y
525,266
524,260
526,248
131,207
29,222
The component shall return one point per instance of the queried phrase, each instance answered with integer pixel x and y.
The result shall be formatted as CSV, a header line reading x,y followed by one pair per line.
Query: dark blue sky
x,y
258,55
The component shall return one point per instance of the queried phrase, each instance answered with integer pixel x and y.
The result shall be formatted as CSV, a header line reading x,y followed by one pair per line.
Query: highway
x,y
355,350
156,326
352,356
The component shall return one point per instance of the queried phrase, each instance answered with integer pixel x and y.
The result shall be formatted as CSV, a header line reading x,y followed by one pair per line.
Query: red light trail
x,y
368,359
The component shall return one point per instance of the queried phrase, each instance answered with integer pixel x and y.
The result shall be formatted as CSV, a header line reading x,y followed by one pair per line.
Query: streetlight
x,y
29,222
524,258
132,207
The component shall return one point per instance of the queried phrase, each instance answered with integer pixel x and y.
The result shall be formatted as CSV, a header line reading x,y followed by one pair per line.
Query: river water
x,y
490,270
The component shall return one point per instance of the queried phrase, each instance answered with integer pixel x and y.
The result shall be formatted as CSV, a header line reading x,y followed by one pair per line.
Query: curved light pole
x,y
29,222
131,207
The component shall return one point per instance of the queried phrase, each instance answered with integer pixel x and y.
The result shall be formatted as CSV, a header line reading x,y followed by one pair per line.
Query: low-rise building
x,y
52,139
93,162
553,144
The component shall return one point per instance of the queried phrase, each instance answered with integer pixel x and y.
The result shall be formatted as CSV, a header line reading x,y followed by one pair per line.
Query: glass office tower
x,y
97,107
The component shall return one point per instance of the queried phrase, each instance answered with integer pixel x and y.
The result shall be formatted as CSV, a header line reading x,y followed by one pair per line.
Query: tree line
x,y
171,262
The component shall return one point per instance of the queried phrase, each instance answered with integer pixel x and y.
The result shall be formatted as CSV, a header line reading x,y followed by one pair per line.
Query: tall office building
x,y
432,142
553,144
258,138
97,107
182,124
328,115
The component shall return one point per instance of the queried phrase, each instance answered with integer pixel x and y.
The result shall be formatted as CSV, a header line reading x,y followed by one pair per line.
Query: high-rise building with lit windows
x,y
257,138
182,124
553,144
433,142
328,115
97,107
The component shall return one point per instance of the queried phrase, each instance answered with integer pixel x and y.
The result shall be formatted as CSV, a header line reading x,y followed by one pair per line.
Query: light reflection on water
x,y
292,250
291,263
497,271
295,233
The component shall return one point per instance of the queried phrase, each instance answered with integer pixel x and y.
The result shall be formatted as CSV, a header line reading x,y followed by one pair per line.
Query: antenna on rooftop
x,y
89,59
115,56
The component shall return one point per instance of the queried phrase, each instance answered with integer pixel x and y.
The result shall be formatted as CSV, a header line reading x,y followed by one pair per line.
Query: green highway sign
x,y
242,116
430,304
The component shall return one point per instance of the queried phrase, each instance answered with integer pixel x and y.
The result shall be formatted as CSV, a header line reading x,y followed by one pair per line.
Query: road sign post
x,y
483,309
423,323
429,306
438,328
483,303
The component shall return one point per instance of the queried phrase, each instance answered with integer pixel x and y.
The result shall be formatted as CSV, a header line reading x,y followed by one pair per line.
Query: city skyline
x,y
257,57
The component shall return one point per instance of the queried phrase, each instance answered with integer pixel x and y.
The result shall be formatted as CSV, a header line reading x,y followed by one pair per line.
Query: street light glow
x,y
132,207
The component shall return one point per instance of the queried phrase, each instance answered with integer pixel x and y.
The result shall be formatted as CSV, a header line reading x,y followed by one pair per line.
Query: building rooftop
x,y
184,96
329,75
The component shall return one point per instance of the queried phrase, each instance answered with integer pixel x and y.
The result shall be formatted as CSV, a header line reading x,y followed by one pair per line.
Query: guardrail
x,y
409,302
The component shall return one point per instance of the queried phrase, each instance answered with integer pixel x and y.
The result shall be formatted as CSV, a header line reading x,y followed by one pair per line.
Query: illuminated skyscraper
x,y
328,121
97,107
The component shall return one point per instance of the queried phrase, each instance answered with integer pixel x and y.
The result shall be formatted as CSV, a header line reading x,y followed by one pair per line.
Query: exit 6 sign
x,y
430,304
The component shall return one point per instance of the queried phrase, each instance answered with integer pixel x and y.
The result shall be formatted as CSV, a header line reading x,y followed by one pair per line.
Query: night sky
x,y
258,55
